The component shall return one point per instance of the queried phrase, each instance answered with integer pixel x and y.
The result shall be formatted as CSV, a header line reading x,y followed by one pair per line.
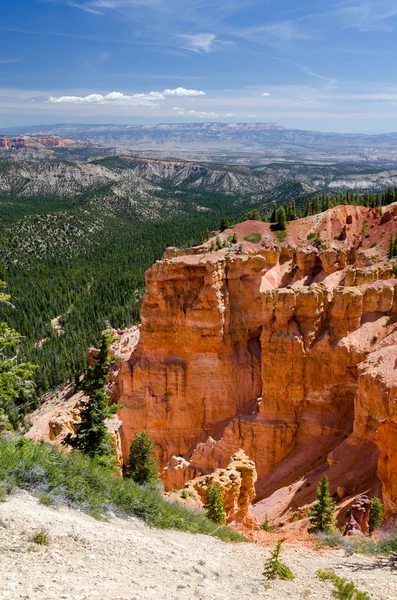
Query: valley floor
x,y
123,559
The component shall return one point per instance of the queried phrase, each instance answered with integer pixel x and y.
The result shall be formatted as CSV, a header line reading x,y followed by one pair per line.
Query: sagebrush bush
x,y
78,481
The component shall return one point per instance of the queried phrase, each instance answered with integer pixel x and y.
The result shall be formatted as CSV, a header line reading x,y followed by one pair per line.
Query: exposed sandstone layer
x,y
237,482
286,351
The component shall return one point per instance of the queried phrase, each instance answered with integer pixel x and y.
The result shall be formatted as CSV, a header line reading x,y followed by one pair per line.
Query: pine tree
x,y
214,504
273,216
16,386
225,224
375,514
281,219
389,196
253,215
321,515
392,244
142,463
92,436
266,525
234,238
274,568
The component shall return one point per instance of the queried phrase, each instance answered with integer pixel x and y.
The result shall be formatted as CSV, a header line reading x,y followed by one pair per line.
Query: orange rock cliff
x,y
286,351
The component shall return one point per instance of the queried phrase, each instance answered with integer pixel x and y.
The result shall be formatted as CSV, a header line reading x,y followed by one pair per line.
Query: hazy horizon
x,y
26,127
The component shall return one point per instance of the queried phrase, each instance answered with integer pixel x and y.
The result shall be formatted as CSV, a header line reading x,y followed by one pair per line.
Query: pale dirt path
x,y
124,560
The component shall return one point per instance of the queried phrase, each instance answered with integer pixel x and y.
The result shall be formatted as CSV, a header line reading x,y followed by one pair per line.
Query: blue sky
x,y
310,64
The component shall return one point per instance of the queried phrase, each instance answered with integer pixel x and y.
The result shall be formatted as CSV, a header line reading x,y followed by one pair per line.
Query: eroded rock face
x,y
237,481
280,358
358,517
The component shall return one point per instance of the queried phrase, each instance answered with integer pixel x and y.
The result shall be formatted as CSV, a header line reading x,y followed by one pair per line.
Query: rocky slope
x,y
123,559
118,178
286,351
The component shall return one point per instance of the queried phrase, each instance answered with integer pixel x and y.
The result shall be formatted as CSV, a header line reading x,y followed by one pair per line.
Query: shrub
x,y
214,504
234,239
321,515
40,538
281,235
274,568
142,462
394,267
44,499
344,590
266,525
332,539
375,514
76,480
254,238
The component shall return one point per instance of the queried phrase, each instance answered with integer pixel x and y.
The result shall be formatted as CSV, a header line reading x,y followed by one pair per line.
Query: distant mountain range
x,y
134,180
239,143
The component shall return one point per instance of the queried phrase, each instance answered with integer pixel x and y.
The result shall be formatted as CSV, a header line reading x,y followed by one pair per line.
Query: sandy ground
x,y
123,559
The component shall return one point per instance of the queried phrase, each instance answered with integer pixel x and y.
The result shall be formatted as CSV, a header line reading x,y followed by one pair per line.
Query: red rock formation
x,y
238,489
358,517
27,141
271,351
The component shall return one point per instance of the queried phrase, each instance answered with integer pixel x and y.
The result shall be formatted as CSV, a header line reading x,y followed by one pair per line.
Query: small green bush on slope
x,y
80,482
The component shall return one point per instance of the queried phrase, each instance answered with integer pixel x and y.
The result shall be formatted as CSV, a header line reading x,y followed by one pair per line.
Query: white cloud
x,y
180,91
112,98
203,114
265,94
202,42
370,15
149,99
275,35
5,61
84,7
285,30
